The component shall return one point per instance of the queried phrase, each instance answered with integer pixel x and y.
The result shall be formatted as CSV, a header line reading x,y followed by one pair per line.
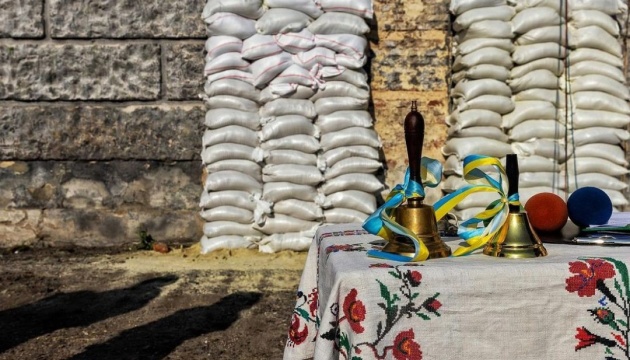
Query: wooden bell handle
x,y
414,138
511,169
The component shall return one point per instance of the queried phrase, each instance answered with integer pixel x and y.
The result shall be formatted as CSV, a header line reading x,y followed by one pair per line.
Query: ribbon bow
x,y
382,223
493,218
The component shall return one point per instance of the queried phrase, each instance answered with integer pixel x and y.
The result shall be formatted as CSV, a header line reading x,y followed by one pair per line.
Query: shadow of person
x,y
157,339
80,308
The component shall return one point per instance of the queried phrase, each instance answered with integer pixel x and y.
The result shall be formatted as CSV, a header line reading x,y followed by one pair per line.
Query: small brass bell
x,y
520,240
414,215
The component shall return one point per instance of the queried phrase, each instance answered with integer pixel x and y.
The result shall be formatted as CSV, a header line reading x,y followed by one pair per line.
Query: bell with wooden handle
x,y
520,240
414,215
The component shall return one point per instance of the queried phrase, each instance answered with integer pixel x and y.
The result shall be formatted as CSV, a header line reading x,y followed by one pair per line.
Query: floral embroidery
x,y
310,302
344,247
297,336
405,348
354,311
591,276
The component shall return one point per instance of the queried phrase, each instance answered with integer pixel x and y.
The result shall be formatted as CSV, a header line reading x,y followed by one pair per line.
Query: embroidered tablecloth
x,y
571,304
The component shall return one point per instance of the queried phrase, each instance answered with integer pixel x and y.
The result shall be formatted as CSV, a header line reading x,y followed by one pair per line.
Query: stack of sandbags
x,y
536,126
483,46
233,185
599,99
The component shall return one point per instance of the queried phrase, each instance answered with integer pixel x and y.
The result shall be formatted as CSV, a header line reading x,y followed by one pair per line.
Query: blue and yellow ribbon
x,y
382,222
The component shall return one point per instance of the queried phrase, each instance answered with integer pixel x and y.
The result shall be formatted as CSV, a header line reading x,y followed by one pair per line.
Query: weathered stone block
x,y
85,132
21,19
79,72
400,15
19,227
127,19
184,70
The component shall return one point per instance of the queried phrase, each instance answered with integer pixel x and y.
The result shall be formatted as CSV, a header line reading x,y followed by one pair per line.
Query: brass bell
x,y
518,240
414,215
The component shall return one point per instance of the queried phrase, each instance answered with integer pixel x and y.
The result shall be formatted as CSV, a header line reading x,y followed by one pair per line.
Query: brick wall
x,y
100,120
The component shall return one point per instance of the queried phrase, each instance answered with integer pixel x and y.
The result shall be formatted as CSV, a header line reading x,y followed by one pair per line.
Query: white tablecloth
x,y
571,304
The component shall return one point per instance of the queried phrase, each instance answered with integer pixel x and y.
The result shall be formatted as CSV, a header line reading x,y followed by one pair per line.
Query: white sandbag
x,y
295,43
541,147
600,83
350,61
265,69
483,71
474,88
537,129
231,74
339,23
232,87
525,193
463,21
353,164
225,151
358,78
498,104
556,66
303,210
297,174
285,241
490,132
463,147
351,45
330,105
285,224
349,137
351,199
231,180
286,91
231,102
309,7
535,163
221,44
458,7
252,9
248,167
471,45
344,216
521,5
529,110
584,68
532,179
554,96
225,23
288,107
486,29
222,228
475,117
361,8
277,157
609,152
610,7
228,213
537,79
585,18
452,166
340,89
331,157
585,54
235,198
453,183
278,191
533,18
362,182
287,125
259,46
555,34
344,119
582,165
477,200
595,37
227,61
598,180
583,119
595,100
526,53
599,134
317,56
230,134
282,20
210,244
217,118
304,143
617,198
490,56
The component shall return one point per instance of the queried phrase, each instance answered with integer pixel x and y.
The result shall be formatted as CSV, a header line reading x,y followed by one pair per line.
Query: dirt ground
x,y
90,304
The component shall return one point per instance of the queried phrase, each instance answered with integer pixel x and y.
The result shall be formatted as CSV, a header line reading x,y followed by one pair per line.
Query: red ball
x,y
547,212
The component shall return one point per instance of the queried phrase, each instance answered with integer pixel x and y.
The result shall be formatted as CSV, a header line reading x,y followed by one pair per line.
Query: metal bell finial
x,y
520,240
414,215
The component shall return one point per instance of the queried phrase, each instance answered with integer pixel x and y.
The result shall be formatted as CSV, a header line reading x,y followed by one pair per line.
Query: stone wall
x,y
101,122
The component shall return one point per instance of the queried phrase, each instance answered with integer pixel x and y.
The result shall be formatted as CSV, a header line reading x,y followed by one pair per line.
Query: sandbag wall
x,y
550,76
289,143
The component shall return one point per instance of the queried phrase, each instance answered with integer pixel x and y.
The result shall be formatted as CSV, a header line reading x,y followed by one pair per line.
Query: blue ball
x,y
589,206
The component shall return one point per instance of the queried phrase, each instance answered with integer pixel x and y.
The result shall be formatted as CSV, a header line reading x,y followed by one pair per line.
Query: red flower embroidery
x,y
413,277
585,337
295,335
312,302
587,275
354,311
405,348
432,305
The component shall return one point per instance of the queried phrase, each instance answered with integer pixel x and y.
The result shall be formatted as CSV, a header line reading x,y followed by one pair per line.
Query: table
x,y
571,304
